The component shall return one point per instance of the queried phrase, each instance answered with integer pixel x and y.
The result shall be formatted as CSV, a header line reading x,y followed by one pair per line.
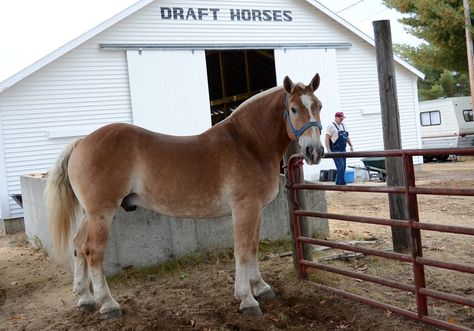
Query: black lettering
x,y
287,16
178,13
191,13
246,15
202,12
277,16
256,15
214,13
235,15
165,13
267,15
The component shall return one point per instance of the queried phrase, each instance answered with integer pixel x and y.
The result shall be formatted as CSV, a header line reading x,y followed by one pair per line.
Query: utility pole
x,y
391,130
467,26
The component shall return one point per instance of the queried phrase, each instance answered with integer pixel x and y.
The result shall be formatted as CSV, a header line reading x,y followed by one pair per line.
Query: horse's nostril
x,y
308,151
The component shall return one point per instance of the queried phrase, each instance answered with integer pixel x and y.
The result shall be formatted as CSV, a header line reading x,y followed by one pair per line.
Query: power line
x,y
349,6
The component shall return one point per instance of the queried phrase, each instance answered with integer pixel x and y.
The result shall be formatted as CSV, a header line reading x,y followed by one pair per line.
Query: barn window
x,y
467,114
428,118
236,75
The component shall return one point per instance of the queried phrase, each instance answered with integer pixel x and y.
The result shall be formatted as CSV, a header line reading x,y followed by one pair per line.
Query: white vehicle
x,y
446,123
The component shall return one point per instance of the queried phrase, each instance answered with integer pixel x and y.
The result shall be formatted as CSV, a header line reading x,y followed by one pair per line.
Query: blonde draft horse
x,y
238,162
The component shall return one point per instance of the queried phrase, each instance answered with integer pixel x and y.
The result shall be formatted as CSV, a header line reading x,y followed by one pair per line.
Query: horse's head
x,y
302,118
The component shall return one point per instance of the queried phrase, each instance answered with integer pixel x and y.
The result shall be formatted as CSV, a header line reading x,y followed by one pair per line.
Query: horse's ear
x,y
288,84
315,82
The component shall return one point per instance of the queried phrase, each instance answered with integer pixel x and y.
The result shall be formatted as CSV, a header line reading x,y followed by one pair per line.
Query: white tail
x,y
62,204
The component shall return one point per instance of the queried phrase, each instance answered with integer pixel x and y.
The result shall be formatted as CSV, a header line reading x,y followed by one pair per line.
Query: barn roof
x,y
142,3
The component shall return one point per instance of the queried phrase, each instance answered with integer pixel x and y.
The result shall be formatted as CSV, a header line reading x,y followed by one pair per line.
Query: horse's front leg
x,y
246,226
94,248
261,290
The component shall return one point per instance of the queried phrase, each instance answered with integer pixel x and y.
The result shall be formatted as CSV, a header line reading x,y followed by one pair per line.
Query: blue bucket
x,y
349,175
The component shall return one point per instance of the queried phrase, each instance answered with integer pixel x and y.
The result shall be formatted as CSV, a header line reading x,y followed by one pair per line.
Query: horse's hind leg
x,y
81,274
97,232
245,224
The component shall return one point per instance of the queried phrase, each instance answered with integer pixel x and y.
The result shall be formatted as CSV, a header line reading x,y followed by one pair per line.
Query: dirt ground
x,y
36,293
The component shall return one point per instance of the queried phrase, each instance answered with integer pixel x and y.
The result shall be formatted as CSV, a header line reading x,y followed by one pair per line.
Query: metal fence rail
x,y
419,289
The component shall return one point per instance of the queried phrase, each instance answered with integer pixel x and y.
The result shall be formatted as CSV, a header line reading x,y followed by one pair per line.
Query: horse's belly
x,y
199,206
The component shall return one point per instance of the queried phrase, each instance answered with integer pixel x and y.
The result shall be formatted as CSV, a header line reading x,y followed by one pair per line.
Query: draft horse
x,y
232,168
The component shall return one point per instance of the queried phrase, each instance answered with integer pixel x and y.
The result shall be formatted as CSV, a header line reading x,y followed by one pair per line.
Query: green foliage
x,y
441,24
443,57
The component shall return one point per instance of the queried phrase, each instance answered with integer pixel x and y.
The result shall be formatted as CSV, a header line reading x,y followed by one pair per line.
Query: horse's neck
x,y
260,125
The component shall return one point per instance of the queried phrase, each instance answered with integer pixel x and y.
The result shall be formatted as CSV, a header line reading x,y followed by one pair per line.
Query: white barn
x,y
178,66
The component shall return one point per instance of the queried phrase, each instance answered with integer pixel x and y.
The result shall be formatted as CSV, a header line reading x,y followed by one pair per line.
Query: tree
x,y
443,58
441,24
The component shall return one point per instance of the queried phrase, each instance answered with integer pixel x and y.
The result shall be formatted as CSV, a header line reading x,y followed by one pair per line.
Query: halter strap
x,y
299,132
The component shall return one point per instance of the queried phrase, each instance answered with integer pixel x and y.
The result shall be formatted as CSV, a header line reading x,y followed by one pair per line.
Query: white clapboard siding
x,y
145,26
81,91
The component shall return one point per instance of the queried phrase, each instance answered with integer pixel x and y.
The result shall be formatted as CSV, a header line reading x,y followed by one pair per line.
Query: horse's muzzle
x,y
313,154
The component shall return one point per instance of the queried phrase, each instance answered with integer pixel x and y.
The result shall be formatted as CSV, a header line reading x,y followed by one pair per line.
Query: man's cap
x,y
339,114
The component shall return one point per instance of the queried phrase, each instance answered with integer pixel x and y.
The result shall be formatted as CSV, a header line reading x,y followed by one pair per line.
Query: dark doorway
x,y
236,75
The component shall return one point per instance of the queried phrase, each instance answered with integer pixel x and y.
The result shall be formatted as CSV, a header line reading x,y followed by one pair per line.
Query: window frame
x,y
430,116
464,115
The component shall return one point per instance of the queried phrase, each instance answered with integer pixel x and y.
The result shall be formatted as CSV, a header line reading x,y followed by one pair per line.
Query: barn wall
x,y
89,87
360,100
356,66
146,25
70,97
4,198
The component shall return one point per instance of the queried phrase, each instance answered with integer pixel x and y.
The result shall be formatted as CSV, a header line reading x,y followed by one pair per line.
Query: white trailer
x,y
446,123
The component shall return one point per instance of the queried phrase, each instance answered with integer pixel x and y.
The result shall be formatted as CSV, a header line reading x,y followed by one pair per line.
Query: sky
x,y
32,29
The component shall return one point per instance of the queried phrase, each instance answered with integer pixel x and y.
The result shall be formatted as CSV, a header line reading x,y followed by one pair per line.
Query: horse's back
x,y
179,176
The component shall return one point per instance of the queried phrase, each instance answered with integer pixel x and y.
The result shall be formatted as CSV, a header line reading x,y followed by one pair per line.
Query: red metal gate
x,y
410,190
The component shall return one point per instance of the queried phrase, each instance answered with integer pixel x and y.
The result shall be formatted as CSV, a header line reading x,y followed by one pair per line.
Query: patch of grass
x,y
175,265
179,265
266,247
323,277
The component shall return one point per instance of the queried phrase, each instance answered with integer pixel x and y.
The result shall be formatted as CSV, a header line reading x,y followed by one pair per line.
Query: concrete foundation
x,y
11,226
143,237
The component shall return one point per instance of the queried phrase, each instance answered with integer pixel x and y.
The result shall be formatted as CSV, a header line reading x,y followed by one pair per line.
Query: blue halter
x,y
305,127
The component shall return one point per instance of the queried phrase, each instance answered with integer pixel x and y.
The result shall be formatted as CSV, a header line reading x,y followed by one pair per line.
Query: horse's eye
x,y
293,110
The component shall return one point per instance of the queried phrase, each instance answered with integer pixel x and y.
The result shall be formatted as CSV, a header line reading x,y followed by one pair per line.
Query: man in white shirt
x,y
336,140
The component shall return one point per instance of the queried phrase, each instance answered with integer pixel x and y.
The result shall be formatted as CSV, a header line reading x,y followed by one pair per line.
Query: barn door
x,y
301,65
169,91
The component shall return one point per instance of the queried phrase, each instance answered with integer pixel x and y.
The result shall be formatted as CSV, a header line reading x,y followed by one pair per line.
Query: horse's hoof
x,y
254,311
116,313
267,295
87,307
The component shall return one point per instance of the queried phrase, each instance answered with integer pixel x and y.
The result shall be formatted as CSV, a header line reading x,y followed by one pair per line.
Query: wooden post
x,y
391,130
304,222
467,26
